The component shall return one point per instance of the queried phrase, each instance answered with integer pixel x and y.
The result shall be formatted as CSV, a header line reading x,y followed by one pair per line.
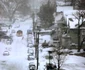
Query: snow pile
x,y
45,37
74,63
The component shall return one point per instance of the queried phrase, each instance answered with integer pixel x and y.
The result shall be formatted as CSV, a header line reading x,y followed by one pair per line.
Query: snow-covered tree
x,y
46,15
80,15
61,51
10,7
79,4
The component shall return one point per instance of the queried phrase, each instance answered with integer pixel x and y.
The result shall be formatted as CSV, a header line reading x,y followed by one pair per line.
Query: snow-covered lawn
x,y
72,62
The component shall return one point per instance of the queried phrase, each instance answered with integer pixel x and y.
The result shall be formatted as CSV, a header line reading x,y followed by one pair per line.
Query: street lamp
x,y
50,57
37,44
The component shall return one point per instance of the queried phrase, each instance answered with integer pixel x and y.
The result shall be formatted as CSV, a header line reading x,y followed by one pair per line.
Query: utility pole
x,y
56,7
49,55
79,32
37,50
33,17
59,47
37,45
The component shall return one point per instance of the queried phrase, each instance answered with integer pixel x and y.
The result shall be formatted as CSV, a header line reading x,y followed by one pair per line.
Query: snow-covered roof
x,y
58,17
63,2
69,15
64,8
45,30
46,37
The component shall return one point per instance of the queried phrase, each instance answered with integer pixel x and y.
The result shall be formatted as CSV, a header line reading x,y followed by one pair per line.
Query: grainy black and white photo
x,y
42,35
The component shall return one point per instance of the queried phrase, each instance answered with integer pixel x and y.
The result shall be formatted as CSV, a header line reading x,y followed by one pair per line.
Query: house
x,y
82,30
66,41
82,34
59,27
74,35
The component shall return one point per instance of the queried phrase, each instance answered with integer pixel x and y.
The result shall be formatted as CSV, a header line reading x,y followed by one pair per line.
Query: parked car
x,y
30,57
51,66
13,31
30,45
32,66
6,39
6,53
29,31
30,51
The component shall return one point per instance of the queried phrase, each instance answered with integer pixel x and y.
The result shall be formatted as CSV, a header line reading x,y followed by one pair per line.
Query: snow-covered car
x,y
30,45
29,31
9,41
6,53
30,57
13,31
30,51
50,66
29,41
32,66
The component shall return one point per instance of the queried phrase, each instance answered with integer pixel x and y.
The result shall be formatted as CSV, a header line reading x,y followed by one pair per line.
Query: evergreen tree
x,y
46,15
80,4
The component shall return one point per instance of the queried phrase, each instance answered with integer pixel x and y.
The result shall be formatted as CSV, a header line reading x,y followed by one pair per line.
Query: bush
x,y
45,45
53,32
49,57
51,45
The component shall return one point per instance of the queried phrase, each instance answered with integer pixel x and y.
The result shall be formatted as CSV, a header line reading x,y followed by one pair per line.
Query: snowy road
x,y
17,60
13,65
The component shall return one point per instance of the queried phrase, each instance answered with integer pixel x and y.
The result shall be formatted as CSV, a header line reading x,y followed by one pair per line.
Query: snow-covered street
x,y
17,59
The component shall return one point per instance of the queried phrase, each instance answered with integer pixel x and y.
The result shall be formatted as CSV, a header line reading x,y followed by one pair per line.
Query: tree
x,y
79,4
46,15
11,7
72,2
61,52
80,15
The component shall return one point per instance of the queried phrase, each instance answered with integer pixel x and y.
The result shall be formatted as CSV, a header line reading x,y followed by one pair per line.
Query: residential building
x,y
82,32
